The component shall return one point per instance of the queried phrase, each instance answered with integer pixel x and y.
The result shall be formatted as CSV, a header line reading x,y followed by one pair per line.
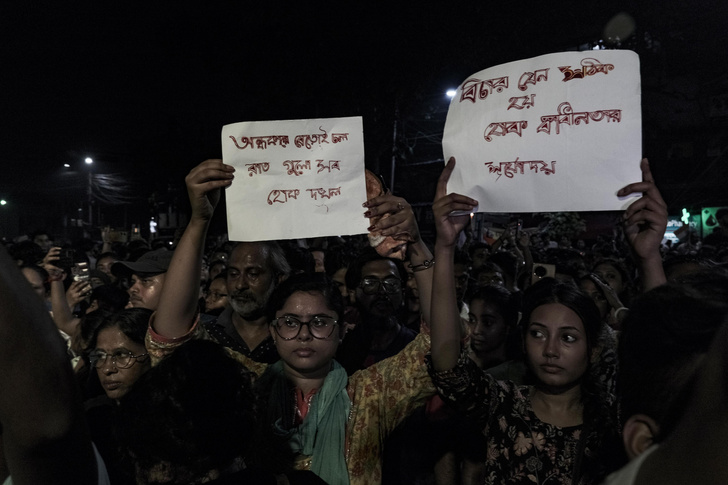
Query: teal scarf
x,y
322,433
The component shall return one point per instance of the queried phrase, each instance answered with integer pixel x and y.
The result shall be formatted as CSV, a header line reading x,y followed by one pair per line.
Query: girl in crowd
x,y
559,430
492,317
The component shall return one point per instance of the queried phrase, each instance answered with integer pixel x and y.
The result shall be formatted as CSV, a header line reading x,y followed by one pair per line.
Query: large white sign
x,y
559,132
295,179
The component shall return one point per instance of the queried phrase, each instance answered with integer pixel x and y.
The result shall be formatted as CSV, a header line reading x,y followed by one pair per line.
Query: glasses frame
x,y
276,323
95,362
381,285
213,296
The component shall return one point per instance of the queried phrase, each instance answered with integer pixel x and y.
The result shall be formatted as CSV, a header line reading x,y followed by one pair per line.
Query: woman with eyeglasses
x,y
334,423
120,359
118,354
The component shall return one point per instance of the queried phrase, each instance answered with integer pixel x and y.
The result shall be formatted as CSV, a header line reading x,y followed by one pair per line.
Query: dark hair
x,y
197,412
222,275
367,255
41,272
621,268
506,303
110,297
41,232
488,266
674,261
107,254
89,325
132,322
666,333
27,252
309,283
337,258
478,245
300,259
548,290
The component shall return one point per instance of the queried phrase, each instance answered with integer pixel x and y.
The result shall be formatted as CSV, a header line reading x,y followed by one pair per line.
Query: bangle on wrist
x,y
426,264
620,309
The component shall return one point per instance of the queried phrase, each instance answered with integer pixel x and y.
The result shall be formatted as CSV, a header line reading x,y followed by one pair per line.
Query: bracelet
x,y
426,264
620,309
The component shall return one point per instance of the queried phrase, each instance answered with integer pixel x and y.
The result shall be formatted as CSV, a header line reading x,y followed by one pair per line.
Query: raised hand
x,y
77,292
449,226
645,222
646,219
203,186
397,218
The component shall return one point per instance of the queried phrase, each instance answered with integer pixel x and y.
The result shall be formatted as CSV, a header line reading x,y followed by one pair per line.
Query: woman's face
x,y
305,355
115,381
217,297
486,326
490,277
611,275
556,347
590,288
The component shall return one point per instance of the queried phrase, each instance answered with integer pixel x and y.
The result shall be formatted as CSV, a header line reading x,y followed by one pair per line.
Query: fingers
x,y
441,190
384,204
443,206
210,174
647,186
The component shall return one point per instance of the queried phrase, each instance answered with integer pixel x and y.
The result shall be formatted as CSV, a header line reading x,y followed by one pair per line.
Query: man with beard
x,y
378,286
254,270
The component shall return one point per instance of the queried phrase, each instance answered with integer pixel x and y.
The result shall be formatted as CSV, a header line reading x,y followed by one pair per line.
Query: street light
x,y
89,160
451,93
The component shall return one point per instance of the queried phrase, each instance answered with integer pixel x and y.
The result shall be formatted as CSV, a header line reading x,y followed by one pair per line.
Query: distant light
x,y
67,165
451,93
89,160
3,202
685,216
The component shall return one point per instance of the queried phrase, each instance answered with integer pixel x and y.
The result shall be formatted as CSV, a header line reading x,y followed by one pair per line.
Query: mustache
x,y
245,295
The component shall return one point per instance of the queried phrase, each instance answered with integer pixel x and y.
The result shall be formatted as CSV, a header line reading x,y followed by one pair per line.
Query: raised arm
x,y
445,324
43,432
178,301
645,221
402,225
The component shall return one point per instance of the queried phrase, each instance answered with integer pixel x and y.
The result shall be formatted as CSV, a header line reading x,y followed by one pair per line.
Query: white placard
x,y
559,132
295,179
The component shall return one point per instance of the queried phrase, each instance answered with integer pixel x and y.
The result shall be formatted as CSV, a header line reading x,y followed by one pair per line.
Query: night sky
x,y
144,89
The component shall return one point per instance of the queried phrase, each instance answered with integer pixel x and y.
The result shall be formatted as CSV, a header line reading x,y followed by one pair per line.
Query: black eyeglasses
x,y
320,327
215,296
371,285
119,359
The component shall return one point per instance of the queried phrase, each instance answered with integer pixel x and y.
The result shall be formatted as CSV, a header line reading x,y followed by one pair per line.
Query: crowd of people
x,y
328,361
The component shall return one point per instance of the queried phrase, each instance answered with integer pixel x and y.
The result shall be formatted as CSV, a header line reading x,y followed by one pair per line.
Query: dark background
x,y
145,88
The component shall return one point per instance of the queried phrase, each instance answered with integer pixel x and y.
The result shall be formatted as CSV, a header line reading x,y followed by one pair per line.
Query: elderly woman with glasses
x,y
118,354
